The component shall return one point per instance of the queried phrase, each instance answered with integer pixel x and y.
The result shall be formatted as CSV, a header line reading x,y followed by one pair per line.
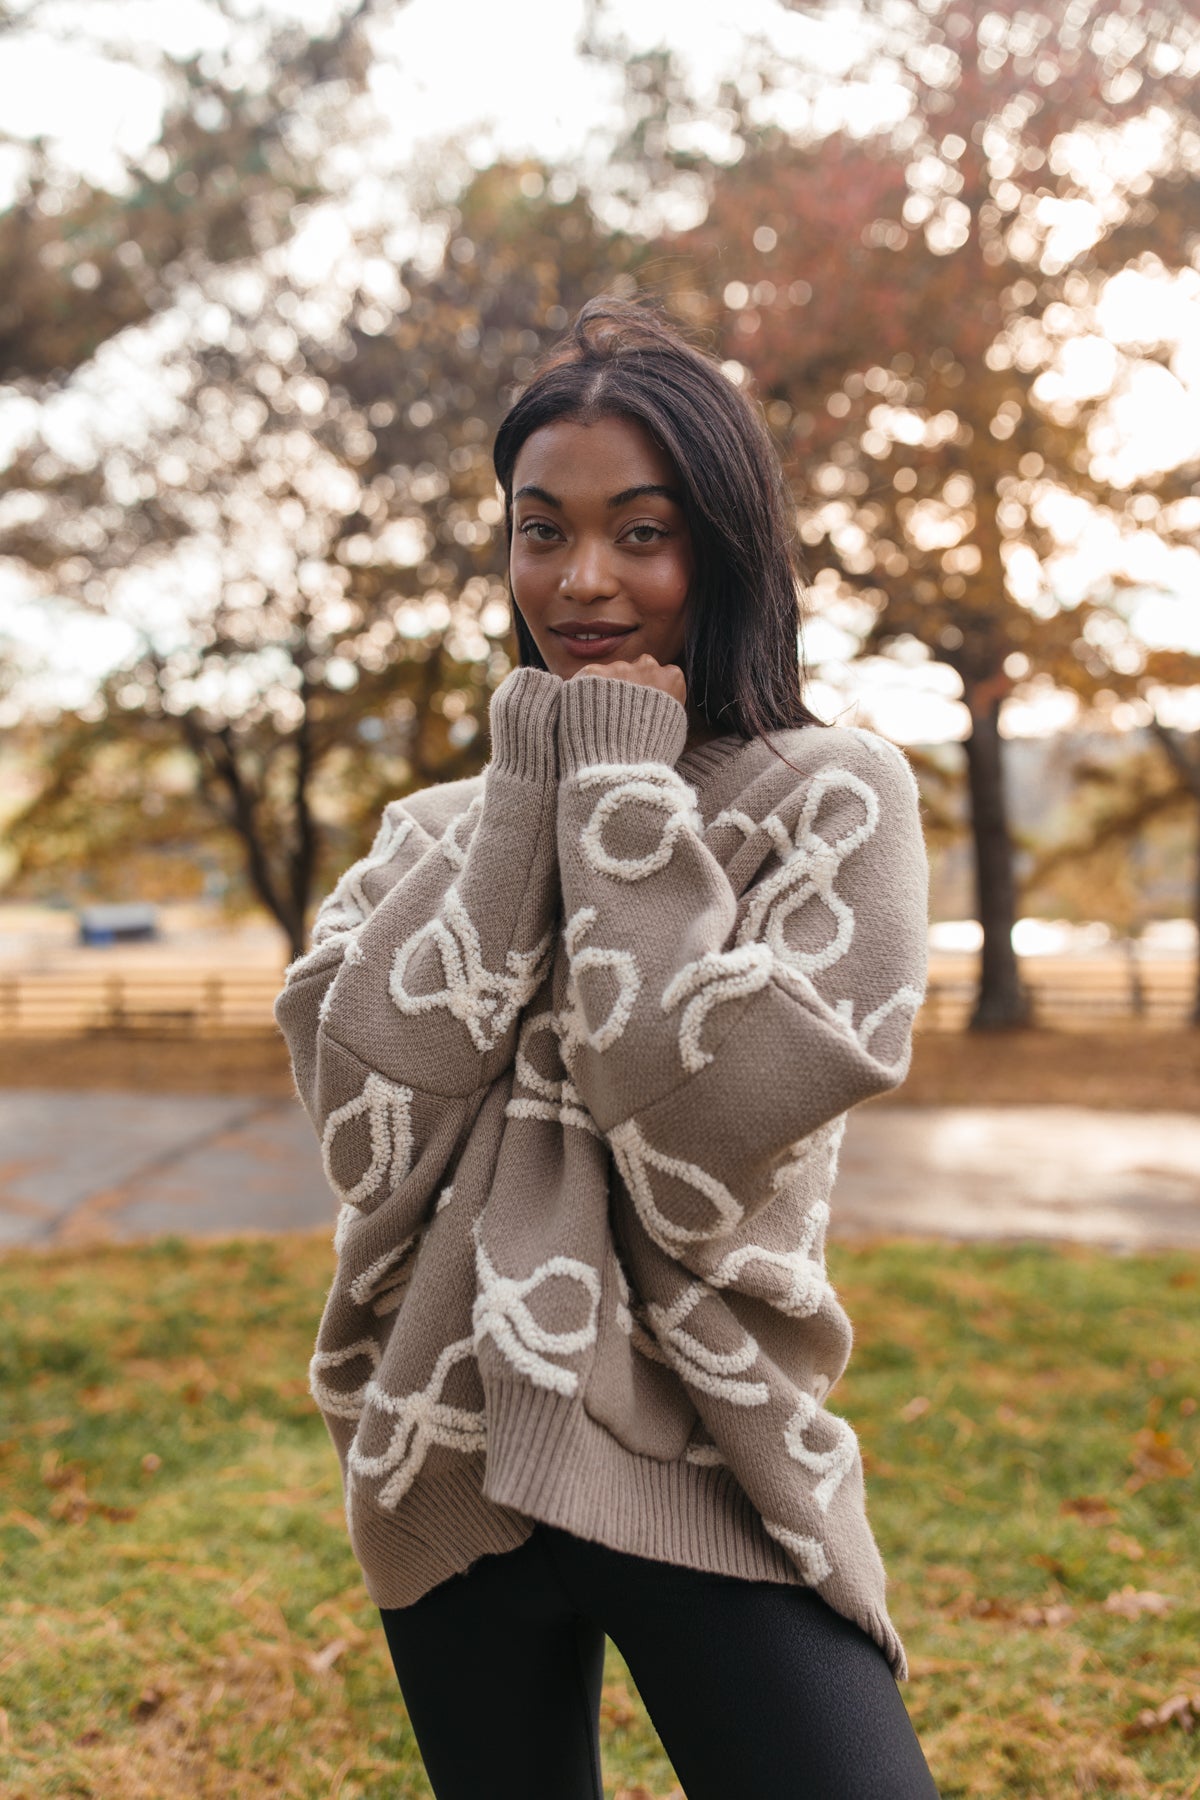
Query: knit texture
x,y
578,1038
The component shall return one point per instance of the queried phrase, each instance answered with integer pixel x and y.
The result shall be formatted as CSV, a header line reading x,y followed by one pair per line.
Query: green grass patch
x,y
180,1615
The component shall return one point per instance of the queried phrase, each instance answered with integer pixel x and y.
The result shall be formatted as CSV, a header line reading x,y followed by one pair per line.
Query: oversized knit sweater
x,y
578,1037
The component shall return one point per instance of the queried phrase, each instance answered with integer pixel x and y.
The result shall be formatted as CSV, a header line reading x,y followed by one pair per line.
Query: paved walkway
x,y
87,1167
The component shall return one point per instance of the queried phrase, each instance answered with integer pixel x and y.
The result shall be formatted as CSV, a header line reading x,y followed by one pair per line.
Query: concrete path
x,y
1125,1179
88,1167
81,1167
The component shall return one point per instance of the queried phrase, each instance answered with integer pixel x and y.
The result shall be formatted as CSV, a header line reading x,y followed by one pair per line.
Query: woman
x,y
579,1037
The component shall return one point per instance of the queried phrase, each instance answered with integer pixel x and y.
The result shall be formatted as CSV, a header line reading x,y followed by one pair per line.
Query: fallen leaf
x,y
915,1407
321,1661
1053,1612
1057,1613
151,1463
1156,1457
1093,1509
616,1706
71,1507
985,1608
1130,1604
50,1427
1181,1709
147,1703
1122,1545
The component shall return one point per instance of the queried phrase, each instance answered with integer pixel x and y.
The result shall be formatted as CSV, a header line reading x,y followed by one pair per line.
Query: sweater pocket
x,y
631,1391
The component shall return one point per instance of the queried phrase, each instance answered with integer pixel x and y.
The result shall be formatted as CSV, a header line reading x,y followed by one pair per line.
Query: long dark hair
x,y
742,659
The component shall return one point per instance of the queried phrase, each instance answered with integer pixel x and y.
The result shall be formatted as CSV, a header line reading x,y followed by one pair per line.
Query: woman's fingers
x,y
646,671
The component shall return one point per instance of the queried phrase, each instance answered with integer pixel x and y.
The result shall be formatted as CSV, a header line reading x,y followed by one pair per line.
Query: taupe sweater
x,y
578,1038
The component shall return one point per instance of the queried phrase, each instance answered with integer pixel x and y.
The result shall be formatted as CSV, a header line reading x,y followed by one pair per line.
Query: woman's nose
x,y
589,573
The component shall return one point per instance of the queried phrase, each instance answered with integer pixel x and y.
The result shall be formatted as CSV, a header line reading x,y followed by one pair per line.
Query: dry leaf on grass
x,y
147,1703
1057,1613
1181,1709
72,1503
1093,1509
617,1709
50,1427
1122,1545
1054,1612
1130,1604
1156,1457
914,1408
321,1661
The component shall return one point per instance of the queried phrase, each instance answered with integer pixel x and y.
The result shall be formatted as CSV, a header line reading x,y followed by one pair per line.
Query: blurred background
x,y
271,274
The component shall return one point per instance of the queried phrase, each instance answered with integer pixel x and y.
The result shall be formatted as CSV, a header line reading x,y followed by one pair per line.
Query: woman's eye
x,y
533,528
645,534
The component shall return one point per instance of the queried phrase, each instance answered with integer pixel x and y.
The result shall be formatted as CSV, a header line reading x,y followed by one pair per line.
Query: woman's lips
x,y
587,649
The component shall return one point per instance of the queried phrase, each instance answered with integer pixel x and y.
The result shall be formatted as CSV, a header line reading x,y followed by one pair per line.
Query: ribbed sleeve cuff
x,y
604,719
523,719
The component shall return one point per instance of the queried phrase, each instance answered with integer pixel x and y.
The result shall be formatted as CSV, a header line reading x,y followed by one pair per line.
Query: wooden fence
x,y
168,1002
1071,994
177,1002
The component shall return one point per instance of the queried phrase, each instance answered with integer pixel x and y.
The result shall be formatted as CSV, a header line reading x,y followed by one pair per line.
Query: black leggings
x,y
757,1690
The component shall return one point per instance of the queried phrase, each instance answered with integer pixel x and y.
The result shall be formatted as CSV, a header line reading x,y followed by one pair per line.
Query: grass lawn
x,y
180,1615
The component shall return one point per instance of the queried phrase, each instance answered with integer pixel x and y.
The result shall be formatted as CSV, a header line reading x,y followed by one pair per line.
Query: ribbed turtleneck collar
x,y
705,760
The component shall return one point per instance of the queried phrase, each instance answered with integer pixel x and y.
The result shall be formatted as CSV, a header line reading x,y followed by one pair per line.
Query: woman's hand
x,y
646,672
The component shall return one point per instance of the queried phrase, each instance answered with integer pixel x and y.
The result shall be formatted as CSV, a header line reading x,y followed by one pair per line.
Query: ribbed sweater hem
x,y
548,1459
551,1463
443,1526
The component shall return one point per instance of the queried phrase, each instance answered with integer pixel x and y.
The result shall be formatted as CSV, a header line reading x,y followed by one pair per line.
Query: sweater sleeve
x,y
709,1032
406,1007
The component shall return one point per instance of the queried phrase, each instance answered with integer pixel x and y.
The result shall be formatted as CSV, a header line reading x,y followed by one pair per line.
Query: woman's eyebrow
x,y
638,493
532,492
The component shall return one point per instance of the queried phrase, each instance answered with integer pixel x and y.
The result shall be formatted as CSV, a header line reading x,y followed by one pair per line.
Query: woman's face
x,y
601,558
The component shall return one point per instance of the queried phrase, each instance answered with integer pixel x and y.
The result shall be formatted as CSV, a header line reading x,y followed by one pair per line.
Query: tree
x,y
81,263
903,300
323,491
84,267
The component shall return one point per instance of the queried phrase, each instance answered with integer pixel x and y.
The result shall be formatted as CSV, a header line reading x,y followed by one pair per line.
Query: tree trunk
x,y
234,798
1137,986
1001,1002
